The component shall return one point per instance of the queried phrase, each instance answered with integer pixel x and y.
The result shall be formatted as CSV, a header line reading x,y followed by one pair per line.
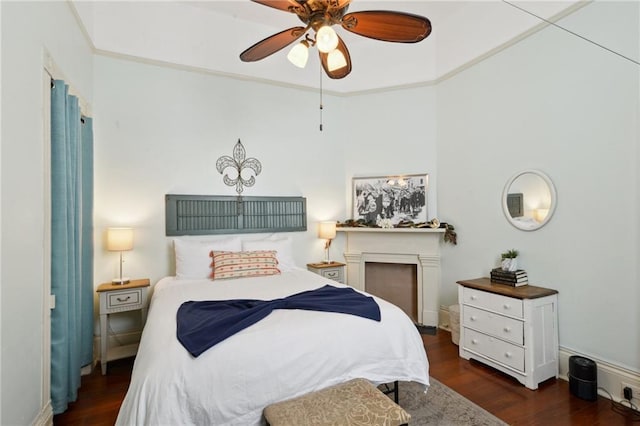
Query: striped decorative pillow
x,y
236,264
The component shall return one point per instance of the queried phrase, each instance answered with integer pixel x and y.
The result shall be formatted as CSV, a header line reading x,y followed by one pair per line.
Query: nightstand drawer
x,y
495,349
334,274
495,324
493,302
124,299
333,271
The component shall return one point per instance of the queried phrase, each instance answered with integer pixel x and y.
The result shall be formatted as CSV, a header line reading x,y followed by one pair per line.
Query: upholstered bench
x,y
356,402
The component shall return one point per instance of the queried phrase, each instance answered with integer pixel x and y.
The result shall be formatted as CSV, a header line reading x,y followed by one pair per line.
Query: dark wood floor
x,y
506,398
552,404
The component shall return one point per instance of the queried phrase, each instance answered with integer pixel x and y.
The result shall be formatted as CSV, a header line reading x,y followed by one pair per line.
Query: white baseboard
x,y
610,376
443,318
45,416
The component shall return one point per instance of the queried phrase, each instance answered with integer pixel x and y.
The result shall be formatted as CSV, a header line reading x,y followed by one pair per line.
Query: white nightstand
x,y
115,298
332,270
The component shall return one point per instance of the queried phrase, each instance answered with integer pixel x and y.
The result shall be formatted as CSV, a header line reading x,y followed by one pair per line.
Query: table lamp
x,y
120,239
327,231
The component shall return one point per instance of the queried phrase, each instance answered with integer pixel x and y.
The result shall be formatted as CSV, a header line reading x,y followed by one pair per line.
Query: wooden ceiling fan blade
x,y
386,25
339,72
286,5
272,44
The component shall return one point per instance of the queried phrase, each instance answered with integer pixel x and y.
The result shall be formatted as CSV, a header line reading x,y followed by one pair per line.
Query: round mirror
x,y
529,200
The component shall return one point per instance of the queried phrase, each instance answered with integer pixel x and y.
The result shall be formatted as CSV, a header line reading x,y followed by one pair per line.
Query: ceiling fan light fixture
x,y
336,60
299,54
319,18
326,39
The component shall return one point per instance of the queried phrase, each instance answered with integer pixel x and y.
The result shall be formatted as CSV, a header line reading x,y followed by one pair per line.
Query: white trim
x,y
80,24
610,376
566,12
46,240
445,322
205,71
49,71
56,73
45,416
513,41
1,216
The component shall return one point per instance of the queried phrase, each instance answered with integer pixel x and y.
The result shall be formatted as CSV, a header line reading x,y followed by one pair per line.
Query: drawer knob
x,y
474,341
473,297
473,318
507,329
508,354
123,300
506,306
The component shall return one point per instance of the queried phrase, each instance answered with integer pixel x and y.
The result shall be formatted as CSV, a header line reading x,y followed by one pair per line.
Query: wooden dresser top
x,y
523,292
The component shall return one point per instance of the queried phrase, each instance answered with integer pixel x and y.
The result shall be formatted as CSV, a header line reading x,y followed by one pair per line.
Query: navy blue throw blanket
x,y
204,324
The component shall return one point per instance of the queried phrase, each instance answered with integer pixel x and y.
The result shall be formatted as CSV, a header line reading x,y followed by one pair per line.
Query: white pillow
x,y
192,256
283,247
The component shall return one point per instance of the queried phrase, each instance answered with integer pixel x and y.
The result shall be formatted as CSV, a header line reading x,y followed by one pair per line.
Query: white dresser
x,y
512,329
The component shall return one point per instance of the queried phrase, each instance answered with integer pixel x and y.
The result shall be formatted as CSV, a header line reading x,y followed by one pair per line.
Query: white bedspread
x,y
289,353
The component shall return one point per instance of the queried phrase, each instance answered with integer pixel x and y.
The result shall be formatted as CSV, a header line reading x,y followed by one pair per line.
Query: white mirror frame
x,y
552,206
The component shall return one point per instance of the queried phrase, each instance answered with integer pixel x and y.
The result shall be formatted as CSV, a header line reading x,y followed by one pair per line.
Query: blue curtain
x,y
71,245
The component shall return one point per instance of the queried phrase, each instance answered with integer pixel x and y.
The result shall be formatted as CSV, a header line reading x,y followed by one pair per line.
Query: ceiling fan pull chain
x,y
321,107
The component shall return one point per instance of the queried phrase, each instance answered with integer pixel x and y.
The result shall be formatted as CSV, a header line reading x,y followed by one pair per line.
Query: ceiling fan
x,y
320,16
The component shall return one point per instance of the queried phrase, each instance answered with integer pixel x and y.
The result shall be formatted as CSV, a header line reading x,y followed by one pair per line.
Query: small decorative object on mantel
x,y
450,235
516,278
385,223
239,162
510,260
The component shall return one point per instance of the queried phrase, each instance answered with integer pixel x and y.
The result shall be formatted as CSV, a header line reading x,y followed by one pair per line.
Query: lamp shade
x,y
336,60
119,239
299,54
326,39
327,230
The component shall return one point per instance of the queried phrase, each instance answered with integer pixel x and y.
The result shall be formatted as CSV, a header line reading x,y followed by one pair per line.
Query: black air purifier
x,y
583,378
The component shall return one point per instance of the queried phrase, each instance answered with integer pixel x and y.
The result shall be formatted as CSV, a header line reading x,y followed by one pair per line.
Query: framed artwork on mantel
x,y
400,198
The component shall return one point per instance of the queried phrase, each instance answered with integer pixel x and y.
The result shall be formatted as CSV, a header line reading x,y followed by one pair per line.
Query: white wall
x,y
561,105
160,130
551,102
391,133
28,29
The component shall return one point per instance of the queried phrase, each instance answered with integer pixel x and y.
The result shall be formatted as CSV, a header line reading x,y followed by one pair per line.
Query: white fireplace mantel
x,y
419,246
391,230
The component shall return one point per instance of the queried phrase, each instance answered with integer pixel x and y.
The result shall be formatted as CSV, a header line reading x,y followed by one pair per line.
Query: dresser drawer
x,y
495,349
495,324
493,302
124,299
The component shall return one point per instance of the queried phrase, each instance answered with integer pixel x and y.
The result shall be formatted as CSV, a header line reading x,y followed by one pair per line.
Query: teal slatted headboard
x,y
224,214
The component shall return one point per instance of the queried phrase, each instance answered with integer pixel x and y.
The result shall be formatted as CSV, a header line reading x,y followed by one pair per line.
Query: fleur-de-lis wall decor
x,y
239,162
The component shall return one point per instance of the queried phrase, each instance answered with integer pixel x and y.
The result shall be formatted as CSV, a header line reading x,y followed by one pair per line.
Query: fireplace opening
x,y
396,283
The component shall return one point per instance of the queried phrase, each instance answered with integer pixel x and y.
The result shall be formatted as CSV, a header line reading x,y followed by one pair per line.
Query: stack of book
x,y
515,278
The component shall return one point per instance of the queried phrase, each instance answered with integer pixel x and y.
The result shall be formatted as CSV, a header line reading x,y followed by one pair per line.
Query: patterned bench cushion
x,y
356,402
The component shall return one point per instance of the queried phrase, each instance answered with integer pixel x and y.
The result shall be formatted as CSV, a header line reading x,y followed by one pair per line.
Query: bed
x,y
287,354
